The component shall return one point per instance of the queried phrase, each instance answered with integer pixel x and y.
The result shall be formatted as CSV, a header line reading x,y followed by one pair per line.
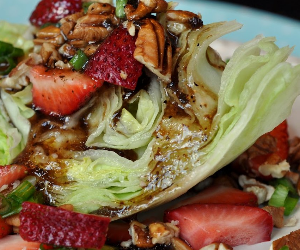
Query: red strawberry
x,y
5,229
56,226
60,92
52,11
114,62
222,195
203,224
11,173
15,242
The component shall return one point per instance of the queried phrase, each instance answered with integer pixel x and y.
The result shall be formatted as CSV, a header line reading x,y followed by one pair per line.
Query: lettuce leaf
x,y
136,123
14,123
17,34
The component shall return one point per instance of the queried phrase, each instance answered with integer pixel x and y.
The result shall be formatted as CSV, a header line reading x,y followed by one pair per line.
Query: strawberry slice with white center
x,y
203,224
114,61
59,91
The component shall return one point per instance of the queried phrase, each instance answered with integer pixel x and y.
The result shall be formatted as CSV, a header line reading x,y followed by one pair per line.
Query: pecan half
x,y
153,49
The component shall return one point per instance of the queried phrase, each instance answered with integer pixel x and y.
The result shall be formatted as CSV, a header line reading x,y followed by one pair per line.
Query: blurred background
x,y
287,8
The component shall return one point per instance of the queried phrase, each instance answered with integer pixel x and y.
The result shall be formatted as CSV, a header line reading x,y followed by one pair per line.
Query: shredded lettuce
x,y
14,123
16,34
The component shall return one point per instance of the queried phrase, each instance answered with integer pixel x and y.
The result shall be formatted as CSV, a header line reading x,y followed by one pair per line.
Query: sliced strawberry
x,y
60,92
221,195
15,242
5,229
203,224
52,11
11,173
114,62
56,226
270,148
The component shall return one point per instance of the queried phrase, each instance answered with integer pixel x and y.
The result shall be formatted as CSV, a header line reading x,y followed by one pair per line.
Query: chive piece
x,y
8,57
6,64
22,193
79,60
279,196
285,182
290,203
120,6
12,203
5,205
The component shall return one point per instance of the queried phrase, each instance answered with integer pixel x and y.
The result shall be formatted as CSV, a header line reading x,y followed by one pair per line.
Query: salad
x,y
107,111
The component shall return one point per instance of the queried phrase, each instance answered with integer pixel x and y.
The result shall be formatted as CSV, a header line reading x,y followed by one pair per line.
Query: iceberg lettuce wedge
x,y
148,147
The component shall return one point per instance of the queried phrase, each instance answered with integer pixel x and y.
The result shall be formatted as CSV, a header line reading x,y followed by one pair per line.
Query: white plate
x,y
287,32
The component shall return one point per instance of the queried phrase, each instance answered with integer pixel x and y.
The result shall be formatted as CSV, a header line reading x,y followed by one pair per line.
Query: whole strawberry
x,y
52,11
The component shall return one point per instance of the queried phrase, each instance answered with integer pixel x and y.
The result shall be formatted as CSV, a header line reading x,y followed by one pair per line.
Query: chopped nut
x,y
179,244
49,54
67,50
90,49
144,8
291,240
217,246
162,233
293,177
140,235
290,222
100,8
275,170
130,27
13,220
246,182
260,192
294,153
187,18
49,34
277,214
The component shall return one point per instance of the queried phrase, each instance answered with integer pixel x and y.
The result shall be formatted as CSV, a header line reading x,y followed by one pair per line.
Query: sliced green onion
x,y
290,204
79,60
279,196
8,57
285,182
12,203
120,8
22,193
6,65
5,205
